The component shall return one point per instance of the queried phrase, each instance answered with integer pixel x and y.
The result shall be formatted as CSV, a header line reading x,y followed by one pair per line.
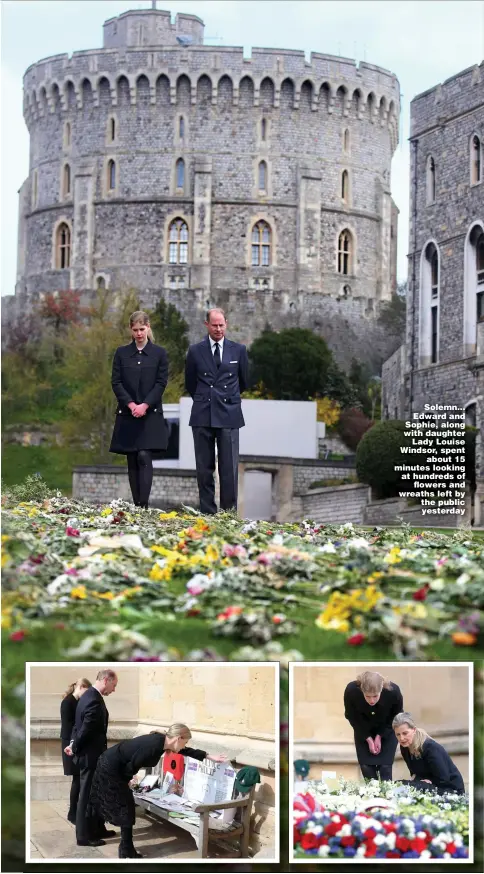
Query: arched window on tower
x,y
345,186
35,189
180,174
429,305
480,277
262,182
63,247
434,303
430,180
111,175
112,130
476,160
261,244
66,180
345,253
178,242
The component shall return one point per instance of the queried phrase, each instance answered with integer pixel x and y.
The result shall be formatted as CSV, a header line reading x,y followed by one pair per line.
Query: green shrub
x,y
33,488
377,454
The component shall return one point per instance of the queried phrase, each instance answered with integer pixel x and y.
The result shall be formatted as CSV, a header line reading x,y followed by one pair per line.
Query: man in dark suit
x,y
89,741
216,373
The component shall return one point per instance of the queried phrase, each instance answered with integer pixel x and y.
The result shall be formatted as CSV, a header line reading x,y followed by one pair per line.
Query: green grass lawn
x,y
55,463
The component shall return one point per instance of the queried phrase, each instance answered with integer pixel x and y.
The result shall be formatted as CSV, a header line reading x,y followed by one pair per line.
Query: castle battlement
x,y
461,93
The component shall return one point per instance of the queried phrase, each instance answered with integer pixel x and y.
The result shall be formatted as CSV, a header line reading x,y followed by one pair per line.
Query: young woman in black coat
x,y
139,378
371,703
68,717
111,796
429,763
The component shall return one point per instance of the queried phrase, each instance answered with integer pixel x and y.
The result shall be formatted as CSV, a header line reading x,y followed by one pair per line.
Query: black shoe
x,y
108,833
71,818
129,853
91,843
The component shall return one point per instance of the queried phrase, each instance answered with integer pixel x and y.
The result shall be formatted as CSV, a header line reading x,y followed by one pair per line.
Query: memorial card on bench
x,y
206,783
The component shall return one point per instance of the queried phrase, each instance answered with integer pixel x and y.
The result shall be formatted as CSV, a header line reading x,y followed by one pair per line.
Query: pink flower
x,y
71,572
356,640
18,635
72,532
195,588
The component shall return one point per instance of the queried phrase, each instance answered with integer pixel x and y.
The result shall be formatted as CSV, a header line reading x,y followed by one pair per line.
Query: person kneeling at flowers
x,y
111,796
370,703
430,765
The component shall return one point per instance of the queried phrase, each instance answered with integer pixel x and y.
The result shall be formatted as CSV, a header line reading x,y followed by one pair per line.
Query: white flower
x,y
437,585
346,830
462,580
379,839
278,539
327,547
361,851
323,850
425,854
358,543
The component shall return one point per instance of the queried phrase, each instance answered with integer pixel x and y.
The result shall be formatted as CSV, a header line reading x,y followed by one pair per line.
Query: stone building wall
x,y
331,505
145,81
323,735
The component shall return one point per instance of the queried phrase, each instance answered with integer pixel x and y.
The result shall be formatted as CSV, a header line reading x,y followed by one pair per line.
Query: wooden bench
x,y
206,827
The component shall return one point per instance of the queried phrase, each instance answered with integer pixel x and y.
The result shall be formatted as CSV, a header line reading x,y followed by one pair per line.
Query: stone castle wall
x,y
146,82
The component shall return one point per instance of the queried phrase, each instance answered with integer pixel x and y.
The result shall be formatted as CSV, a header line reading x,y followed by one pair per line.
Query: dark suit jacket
x,y
216,393
435,765
126,758
369,720
68,717
141,378
90,728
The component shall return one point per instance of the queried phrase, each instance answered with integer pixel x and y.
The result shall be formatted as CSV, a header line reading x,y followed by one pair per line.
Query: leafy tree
x,y
339,387
352,425
393,317
171,331
292,364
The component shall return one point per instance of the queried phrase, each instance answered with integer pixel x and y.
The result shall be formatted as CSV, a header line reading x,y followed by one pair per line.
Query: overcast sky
x,y
422,41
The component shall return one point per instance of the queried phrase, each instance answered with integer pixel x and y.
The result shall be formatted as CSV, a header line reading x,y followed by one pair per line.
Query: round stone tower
x,y
260,184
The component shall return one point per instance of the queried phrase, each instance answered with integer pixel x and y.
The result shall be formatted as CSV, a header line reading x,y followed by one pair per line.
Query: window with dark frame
x,y
480,306
111,175
181,127
180,173
66,183
67,134
262,176
476,159
178,242
63,247
263,130
434,327
261,244
112,129
431,181
344,253
480,259
344,185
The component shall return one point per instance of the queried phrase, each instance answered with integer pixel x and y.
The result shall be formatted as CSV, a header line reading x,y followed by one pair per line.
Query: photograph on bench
x,y
381,762
167,761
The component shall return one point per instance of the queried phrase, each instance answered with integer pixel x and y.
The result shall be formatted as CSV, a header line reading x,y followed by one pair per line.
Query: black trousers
x,y
74,795
89,826
375,772
227,441
140,475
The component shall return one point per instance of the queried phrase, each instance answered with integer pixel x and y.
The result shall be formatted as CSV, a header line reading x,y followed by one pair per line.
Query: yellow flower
x,y
393,556
415,610
157,573
109,556
7,617
5,558
212,553
107,596
79,592
6,537
374,577
33,511
171,515
106,511
162,550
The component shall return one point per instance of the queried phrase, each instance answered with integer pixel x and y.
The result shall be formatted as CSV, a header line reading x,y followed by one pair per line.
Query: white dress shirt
x,y
220,346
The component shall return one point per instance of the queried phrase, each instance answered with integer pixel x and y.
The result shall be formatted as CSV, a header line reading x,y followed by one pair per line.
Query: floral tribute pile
x,y
115,571
381,821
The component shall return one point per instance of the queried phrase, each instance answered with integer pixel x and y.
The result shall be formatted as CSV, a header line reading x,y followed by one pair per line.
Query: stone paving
x,y
53,837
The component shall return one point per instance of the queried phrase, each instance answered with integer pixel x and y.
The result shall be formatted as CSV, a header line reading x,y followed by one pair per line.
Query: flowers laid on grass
x,y
379,820
66,561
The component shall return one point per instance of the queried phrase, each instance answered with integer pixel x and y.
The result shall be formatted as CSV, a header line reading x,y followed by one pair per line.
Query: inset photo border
x,y
143,789
358,731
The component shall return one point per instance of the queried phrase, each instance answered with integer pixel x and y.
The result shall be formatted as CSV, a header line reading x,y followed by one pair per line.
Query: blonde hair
x,y
372,682
419,737
178,729
85,684
144,319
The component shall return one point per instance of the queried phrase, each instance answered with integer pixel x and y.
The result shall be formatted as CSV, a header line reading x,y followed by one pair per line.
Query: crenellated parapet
x,y
462,93
331,84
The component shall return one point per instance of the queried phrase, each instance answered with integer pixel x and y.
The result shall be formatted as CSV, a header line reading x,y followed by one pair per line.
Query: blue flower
x,y
349,851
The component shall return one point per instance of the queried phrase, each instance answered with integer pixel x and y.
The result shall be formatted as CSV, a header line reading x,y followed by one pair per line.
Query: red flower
x,y
391,854
421,594
297,835
370,833
348,841
390,827
332,828
371,848
418,844
72,532
277,619
402,844
309,841
18,635
450,848
356,639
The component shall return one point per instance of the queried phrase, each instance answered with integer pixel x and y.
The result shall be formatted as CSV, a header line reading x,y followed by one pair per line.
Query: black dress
x,y
68,716
139,377
369,720
111,798
435,765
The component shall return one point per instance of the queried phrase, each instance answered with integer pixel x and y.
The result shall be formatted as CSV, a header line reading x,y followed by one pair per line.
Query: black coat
x,y
111,798
216,392
369,720
139,377
90,728
68,717
435,765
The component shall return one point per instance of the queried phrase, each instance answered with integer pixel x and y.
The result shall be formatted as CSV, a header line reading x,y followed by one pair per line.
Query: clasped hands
x,y
138,410
374,744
